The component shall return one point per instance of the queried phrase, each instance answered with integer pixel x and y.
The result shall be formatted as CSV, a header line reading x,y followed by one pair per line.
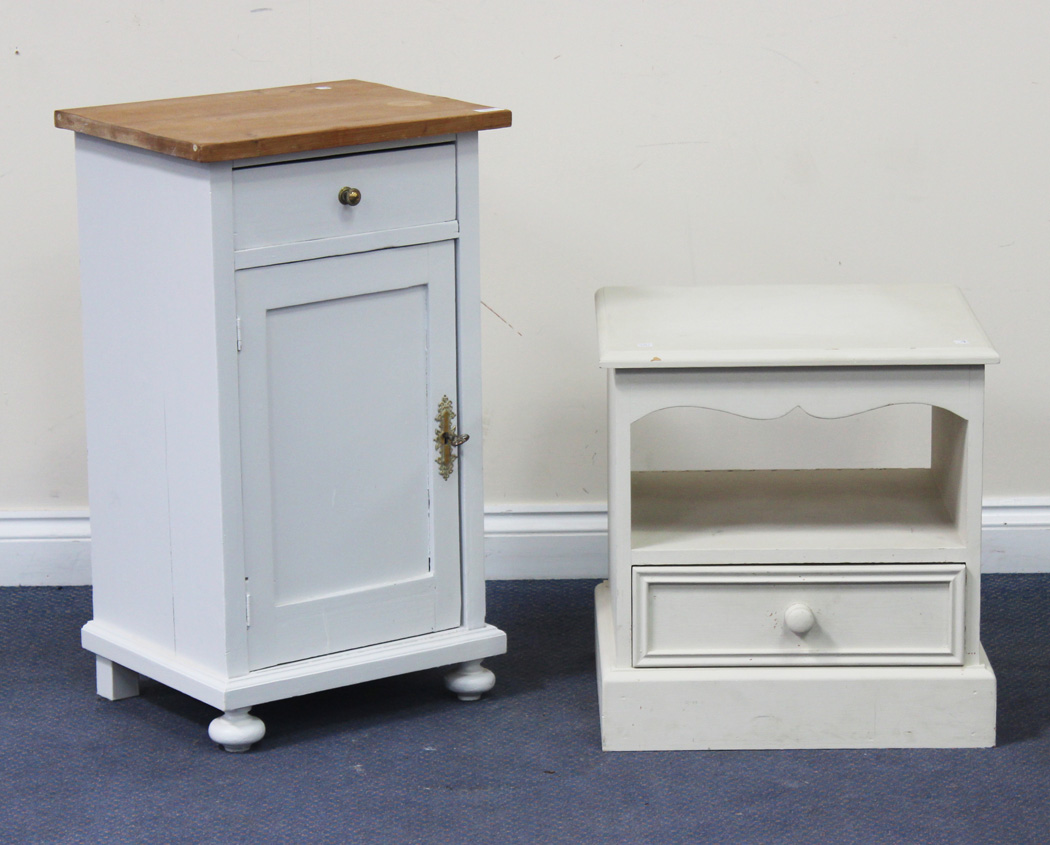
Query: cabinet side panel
x,y
468,338
970,506
127,463
956,461
208,573
148,308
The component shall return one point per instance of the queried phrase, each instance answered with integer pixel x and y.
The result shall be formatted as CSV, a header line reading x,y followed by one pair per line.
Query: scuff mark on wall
x,y
505,321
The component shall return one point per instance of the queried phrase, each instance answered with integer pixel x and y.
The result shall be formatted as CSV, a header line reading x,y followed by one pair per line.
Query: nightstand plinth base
x,y
662,709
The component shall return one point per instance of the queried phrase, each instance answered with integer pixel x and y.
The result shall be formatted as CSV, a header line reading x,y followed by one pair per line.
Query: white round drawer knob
x,y
799,619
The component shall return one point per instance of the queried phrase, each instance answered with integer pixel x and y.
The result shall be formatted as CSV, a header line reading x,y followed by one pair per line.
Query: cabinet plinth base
x,y
443,648
660,709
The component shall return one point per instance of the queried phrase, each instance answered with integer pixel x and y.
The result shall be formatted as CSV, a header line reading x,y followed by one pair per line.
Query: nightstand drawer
x,y
909,614
305,200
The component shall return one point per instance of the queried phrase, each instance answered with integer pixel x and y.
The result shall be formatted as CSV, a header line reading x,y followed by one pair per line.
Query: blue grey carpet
x,y
400,761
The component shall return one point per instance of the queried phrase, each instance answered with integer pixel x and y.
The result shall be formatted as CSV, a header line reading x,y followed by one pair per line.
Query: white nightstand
x,y
281,325
794,608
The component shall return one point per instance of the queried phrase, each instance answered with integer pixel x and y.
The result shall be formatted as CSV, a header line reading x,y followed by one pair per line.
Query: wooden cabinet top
x,y
788,326
273,121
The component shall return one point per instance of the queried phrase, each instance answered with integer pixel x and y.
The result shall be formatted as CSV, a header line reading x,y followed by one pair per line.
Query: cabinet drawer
x,y
297,201
792,615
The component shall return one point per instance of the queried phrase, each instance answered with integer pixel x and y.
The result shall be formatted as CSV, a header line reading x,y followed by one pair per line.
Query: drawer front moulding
x,y
858,615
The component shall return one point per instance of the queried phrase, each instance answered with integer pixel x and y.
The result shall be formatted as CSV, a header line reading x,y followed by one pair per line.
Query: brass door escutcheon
x,y
446,438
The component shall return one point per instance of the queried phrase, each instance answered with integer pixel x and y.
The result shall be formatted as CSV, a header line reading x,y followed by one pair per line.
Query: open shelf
x,y
790,516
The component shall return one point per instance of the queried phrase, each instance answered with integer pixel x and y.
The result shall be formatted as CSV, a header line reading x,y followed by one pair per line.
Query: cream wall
x,y
653,142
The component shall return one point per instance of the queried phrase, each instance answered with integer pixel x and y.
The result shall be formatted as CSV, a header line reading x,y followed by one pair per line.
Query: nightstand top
x,y
274,121
788,326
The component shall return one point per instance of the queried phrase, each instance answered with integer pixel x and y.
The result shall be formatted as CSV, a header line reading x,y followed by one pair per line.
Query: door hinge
x,y
248,609
239,342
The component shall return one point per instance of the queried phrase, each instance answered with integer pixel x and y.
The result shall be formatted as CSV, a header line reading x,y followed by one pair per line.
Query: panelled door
x,y
351,532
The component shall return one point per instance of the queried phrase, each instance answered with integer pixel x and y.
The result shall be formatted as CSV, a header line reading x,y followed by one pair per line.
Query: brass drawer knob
x,y
349,196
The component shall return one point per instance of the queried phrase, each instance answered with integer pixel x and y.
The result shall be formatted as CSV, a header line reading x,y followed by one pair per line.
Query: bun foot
x,y
237,730
470,680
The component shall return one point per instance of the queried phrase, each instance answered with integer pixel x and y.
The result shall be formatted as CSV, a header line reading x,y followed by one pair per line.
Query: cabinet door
x,y
351,533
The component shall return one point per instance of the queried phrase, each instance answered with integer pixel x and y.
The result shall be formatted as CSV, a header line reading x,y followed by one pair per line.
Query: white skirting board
x,y
52,548
546,542
45,548
1015,535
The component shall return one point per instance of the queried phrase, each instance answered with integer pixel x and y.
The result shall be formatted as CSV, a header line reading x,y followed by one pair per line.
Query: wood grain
x,y
274,121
